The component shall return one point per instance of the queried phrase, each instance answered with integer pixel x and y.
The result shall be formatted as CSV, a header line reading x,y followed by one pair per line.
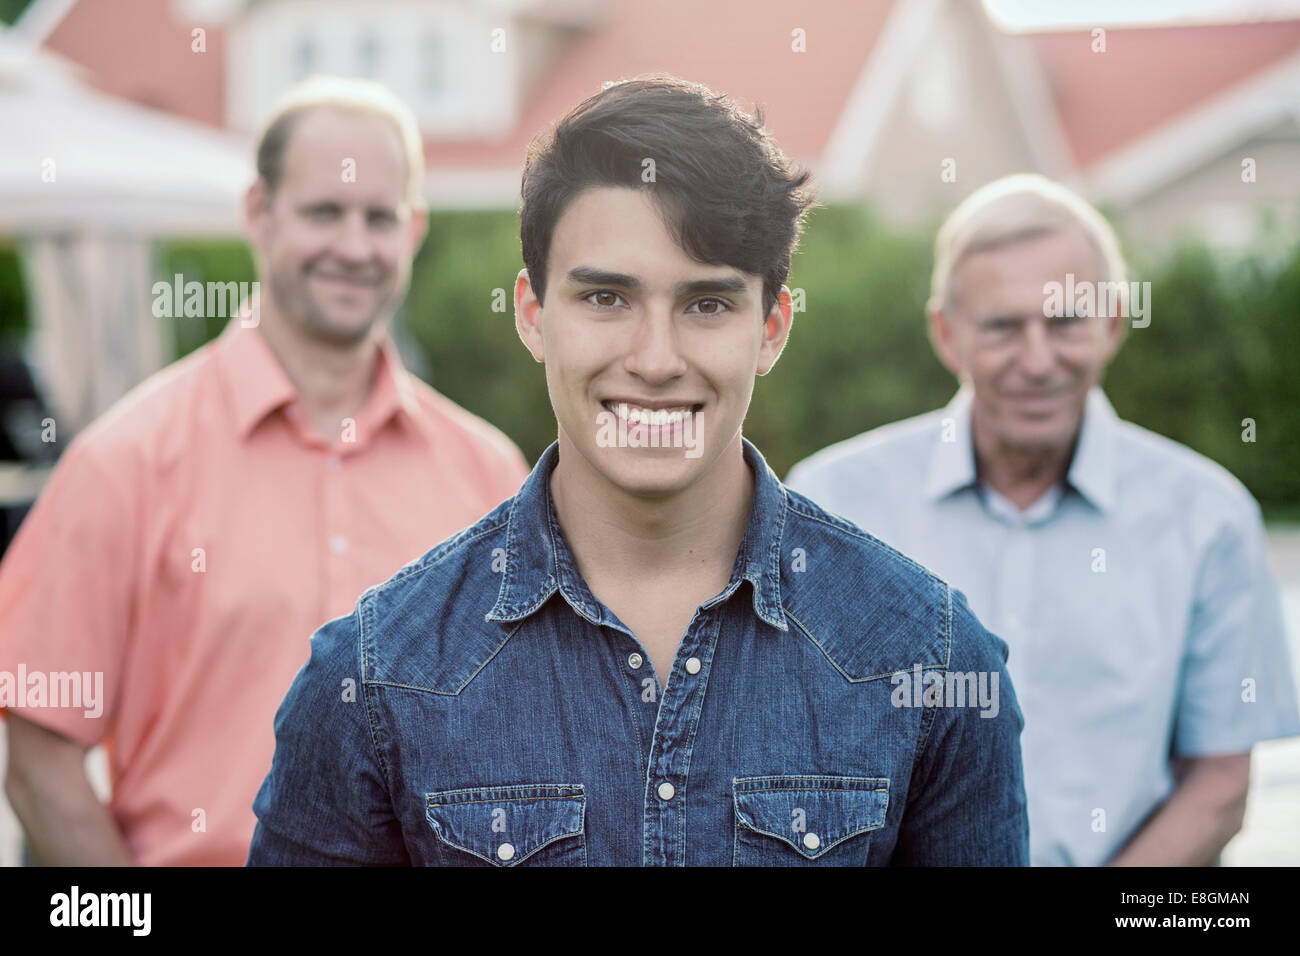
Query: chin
x,y
1046,437
652,472
344,331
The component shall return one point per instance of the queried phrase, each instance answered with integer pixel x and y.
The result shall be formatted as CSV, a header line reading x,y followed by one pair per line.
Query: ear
x,y
942,332
776,331
419,227
1116,326
257,203
528,316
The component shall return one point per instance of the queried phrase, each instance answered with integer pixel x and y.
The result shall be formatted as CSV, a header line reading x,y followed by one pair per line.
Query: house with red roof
x,y
1191,128
906,104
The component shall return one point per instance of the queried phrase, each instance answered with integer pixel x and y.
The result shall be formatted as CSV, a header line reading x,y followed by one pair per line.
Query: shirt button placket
x,y
665,814
1015,585
337,542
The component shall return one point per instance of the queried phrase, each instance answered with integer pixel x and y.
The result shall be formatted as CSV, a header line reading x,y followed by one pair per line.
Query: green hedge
x,y
13,298
1222,346
1223,343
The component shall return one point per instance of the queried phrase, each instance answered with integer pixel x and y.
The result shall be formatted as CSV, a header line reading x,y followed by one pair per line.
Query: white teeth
x,y
659,417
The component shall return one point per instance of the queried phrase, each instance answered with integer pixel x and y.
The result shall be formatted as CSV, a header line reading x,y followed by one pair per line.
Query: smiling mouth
x,y
358,282
653,417
1038,398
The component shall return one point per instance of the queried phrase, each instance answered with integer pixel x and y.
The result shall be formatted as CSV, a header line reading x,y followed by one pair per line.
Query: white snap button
x,y
506,852
666,791
635,660
338,543
692,665
811,841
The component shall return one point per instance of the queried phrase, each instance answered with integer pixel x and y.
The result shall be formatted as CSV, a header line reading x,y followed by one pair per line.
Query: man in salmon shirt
x,y
191,537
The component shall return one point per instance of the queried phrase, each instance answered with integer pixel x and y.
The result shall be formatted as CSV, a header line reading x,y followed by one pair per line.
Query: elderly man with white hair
x,y
1126,572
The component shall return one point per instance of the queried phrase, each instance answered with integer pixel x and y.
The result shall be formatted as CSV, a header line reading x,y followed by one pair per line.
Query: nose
x,y
352,244
654,355
1036,355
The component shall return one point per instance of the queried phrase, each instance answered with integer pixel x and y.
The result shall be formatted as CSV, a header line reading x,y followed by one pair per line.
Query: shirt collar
x,y
258,384
538,561
393,396
952,463
1092,469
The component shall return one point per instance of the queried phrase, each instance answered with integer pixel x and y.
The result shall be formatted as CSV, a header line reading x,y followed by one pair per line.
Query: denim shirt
x,y
482,707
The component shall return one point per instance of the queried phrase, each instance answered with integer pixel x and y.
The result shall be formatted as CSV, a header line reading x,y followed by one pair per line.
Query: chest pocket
x,y
532,824
806,820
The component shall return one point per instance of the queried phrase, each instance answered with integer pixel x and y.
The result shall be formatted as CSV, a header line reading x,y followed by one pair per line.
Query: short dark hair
x,y
726,192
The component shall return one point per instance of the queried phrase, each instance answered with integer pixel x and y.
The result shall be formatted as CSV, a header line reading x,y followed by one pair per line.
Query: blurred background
x,y
125,146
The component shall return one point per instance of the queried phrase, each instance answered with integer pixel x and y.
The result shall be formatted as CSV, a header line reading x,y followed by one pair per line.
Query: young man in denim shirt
x,y
654,654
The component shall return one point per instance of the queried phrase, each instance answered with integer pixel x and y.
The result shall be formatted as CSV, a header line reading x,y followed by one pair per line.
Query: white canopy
x,y
72,158
87,182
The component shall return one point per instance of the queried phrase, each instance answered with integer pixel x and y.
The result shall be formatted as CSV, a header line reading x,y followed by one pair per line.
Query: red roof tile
x,y
135,49
741,47
1147,77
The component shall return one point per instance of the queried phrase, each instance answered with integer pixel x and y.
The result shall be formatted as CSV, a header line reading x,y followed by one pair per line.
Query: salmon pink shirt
x,y
187,546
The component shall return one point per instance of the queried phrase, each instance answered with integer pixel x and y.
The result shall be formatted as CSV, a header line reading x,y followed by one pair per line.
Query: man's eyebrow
x,y
733,284
583,275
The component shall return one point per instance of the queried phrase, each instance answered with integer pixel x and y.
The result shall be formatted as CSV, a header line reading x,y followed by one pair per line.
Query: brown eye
x,y
603,299
718,306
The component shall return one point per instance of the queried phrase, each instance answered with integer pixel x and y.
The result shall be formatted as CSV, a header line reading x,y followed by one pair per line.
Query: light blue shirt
x,y
1142,617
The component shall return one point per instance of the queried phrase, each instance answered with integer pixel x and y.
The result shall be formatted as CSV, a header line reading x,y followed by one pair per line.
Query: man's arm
x,y
66,588
1235,689
967,804
47,785
1198,819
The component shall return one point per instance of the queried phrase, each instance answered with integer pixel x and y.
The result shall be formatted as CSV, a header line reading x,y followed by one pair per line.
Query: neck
x,y
332,381
1021,475
692,535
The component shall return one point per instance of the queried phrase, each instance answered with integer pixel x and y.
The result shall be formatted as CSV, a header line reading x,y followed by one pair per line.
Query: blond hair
x,y
1013,209
344,93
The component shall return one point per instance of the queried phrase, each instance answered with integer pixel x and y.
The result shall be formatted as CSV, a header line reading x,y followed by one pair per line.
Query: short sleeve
x,y
1236,684
326,800
66,594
